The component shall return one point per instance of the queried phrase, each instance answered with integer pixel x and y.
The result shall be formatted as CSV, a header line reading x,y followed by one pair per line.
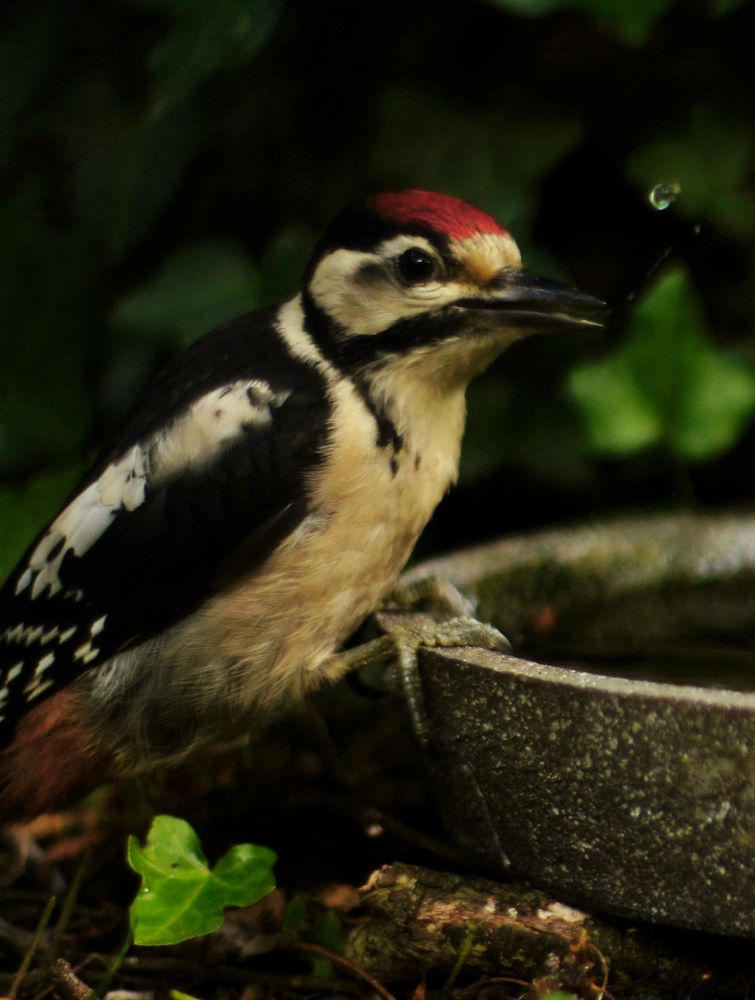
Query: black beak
x,y
528,301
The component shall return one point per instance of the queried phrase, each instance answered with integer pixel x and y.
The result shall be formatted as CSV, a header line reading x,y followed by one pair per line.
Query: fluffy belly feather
x,y
247,653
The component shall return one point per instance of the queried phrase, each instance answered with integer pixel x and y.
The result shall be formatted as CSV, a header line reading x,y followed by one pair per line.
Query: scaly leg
x,y
407,631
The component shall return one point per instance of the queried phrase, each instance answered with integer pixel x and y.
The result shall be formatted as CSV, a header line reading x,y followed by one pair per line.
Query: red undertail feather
x,y
50,763
442,212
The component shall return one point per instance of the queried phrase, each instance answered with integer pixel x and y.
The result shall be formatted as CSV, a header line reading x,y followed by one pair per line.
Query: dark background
x,y
166,165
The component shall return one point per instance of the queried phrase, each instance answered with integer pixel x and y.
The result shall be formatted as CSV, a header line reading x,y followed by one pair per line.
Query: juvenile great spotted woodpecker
x,y
259,501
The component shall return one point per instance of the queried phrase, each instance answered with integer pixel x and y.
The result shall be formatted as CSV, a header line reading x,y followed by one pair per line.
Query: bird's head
x,y
419,274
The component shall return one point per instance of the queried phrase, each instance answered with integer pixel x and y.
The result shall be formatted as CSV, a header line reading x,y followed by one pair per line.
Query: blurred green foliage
x,y
175,305
630,20
667,385
166,165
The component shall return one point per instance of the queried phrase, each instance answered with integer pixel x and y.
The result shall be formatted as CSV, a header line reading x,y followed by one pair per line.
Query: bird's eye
x,y
416,265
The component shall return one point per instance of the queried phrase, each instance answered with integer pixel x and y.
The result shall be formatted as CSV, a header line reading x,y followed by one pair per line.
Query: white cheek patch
x,y
367,305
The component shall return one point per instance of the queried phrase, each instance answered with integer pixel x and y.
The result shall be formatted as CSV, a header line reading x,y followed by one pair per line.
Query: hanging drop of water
x,y
662,195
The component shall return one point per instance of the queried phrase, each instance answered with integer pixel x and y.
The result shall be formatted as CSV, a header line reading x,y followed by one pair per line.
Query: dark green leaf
x,y
125,169
710,158
206,36
199,287
720,8
283,263
46,322
529,8
180,896
668,385
495,161
28,49
295,915
630,20
328,931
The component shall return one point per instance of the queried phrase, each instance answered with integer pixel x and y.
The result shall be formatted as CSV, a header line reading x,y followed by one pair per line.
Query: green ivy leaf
x,y
200,286
125,169
668,385
621,420
181,896
207,35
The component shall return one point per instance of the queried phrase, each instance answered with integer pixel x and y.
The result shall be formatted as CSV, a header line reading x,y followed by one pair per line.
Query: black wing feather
x,y
152,565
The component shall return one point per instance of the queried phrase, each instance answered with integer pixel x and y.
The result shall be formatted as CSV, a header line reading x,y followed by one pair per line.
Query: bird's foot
x,y
445,622
411,632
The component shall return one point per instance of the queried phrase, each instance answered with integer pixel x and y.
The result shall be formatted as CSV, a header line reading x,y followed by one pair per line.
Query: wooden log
x,y
423,921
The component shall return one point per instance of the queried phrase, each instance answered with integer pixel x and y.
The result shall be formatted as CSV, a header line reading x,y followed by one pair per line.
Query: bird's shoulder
x,y
216,453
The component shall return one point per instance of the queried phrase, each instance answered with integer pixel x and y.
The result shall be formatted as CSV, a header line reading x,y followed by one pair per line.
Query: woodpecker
x,y
259,501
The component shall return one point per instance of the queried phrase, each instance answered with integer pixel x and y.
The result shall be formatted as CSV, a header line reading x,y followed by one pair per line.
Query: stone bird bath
x,y
612,759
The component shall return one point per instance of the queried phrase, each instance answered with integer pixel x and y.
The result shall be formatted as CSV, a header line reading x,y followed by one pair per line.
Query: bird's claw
x,y
410,632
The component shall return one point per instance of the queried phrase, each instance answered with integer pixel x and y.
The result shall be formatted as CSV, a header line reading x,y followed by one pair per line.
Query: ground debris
x,y
423,921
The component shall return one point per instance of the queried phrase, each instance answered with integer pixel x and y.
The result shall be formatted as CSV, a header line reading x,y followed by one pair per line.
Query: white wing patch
x,y
211,424
77,528
192,441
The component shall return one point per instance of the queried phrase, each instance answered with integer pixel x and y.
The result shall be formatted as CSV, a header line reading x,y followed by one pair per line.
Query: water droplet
x,y
662,195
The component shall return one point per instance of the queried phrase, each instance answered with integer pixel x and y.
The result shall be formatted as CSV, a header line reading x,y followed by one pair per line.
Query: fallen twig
x,y
67,984
338,959
419,918
33,946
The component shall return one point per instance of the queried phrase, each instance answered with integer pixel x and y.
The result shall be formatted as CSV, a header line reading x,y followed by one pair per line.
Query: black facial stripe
x,y
323,329
351,353
333,344
367,349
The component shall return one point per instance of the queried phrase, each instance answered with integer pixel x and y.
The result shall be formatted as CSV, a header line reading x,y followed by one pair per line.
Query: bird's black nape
x,y
361,227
